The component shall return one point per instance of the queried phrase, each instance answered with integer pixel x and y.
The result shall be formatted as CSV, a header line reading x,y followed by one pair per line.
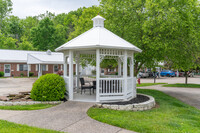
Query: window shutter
x,y
17,67
46,67
36,67
29,67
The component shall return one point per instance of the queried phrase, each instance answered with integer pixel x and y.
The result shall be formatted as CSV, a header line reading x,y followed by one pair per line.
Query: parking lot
x,y
15,85
172,80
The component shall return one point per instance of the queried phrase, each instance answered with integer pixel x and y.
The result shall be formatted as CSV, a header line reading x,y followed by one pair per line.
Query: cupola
x,y
98,21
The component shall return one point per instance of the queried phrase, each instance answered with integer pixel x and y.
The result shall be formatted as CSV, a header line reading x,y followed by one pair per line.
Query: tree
x,y
5,9
7,42
84,23
184,39
71,19
59,36
43,35
131,21
14,27
25,45
27,24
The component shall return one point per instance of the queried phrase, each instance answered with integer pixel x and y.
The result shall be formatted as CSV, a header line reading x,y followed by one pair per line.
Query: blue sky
x,y
23,8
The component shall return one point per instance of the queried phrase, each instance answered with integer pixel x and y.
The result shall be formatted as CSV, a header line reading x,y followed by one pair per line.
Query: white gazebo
x,y
98,44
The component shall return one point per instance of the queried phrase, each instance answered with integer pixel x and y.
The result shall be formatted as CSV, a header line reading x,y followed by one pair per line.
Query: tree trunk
x,y
186,77
154,77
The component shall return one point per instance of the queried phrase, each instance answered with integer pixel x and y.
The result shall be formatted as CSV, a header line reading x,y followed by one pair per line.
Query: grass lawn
x,y
27,107
9,127
183,85
173,116
148,84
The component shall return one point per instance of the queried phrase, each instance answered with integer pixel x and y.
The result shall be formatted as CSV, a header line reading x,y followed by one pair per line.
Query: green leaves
x,y
43,35
49,87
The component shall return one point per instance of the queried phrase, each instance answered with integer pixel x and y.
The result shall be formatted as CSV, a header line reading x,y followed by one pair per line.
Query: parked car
x,y
167,73
143,74
150,74
182,74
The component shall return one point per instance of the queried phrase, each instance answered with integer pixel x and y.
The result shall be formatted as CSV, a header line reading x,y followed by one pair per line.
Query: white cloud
x,y
23,8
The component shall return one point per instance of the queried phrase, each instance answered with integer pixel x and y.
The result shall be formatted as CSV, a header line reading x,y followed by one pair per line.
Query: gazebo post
x,y
132,75
77,71
125,74
97,73
71,75
119,67
132,66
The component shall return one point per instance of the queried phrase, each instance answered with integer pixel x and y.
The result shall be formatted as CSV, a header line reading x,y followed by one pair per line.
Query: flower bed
x,y
140,103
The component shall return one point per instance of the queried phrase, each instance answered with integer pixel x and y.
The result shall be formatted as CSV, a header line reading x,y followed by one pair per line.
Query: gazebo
x,y
98,44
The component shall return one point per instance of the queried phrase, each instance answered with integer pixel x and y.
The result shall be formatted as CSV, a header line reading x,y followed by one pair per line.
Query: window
x,y
55,68
23,67
44,68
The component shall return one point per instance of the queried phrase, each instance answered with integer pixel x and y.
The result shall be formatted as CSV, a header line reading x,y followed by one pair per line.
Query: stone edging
x,y
133,107
3,103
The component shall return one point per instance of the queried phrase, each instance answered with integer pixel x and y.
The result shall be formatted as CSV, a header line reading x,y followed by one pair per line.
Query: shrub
x,y
31,74
93,72
1,74
49,87
22,74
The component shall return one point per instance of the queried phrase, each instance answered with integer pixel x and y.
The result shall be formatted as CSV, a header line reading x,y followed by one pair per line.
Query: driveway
x,y
67,117
15,85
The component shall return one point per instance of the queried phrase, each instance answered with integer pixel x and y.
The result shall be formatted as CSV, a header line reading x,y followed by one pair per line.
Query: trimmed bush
x,y
1,74
49,87
22,74
31,74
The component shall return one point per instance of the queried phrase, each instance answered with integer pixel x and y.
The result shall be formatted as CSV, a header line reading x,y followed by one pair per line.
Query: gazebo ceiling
x,y
98,37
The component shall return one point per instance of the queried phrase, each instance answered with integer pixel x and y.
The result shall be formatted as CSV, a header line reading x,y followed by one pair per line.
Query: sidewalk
x,y
68,117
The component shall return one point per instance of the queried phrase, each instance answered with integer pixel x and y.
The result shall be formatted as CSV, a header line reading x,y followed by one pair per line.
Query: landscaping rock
x,y
27,97
114,107
4,98
25,93
12,95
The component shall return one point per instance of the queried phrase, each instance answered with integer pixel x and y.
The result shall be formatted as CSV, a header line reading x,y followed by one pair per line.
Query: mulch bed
x,y
138,99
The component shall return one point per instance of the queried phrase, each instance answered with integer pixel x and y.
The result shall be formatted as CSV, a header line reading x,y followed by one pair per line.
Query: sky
x,y
23,8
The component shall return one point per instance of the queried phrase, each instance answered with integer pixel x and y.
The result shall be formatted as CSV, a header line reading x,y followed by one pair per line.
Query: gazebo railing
x,y
111,88
111,85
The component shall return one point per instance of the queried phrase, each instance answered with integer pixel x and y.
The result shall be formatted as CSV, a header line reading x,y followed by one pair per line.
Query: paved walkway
x,y
190,96
67,117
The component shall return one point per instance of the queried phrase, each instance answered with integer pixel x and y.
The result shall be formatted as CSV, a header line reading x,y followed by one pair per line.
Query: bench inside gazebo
x,y
94,46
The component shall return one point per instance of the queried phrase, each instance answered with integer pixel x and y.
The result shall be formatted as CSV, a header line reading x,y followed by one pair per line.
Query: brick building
x,y
15,62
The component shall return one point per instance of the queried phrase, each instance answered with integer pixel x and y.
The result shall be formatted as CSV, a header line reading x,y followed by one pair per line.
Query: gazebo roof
x,y
98,37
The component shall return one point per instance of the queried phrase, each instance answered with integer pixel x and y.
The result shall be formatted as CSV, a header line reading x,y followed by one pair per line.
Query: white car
x,y
143,74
